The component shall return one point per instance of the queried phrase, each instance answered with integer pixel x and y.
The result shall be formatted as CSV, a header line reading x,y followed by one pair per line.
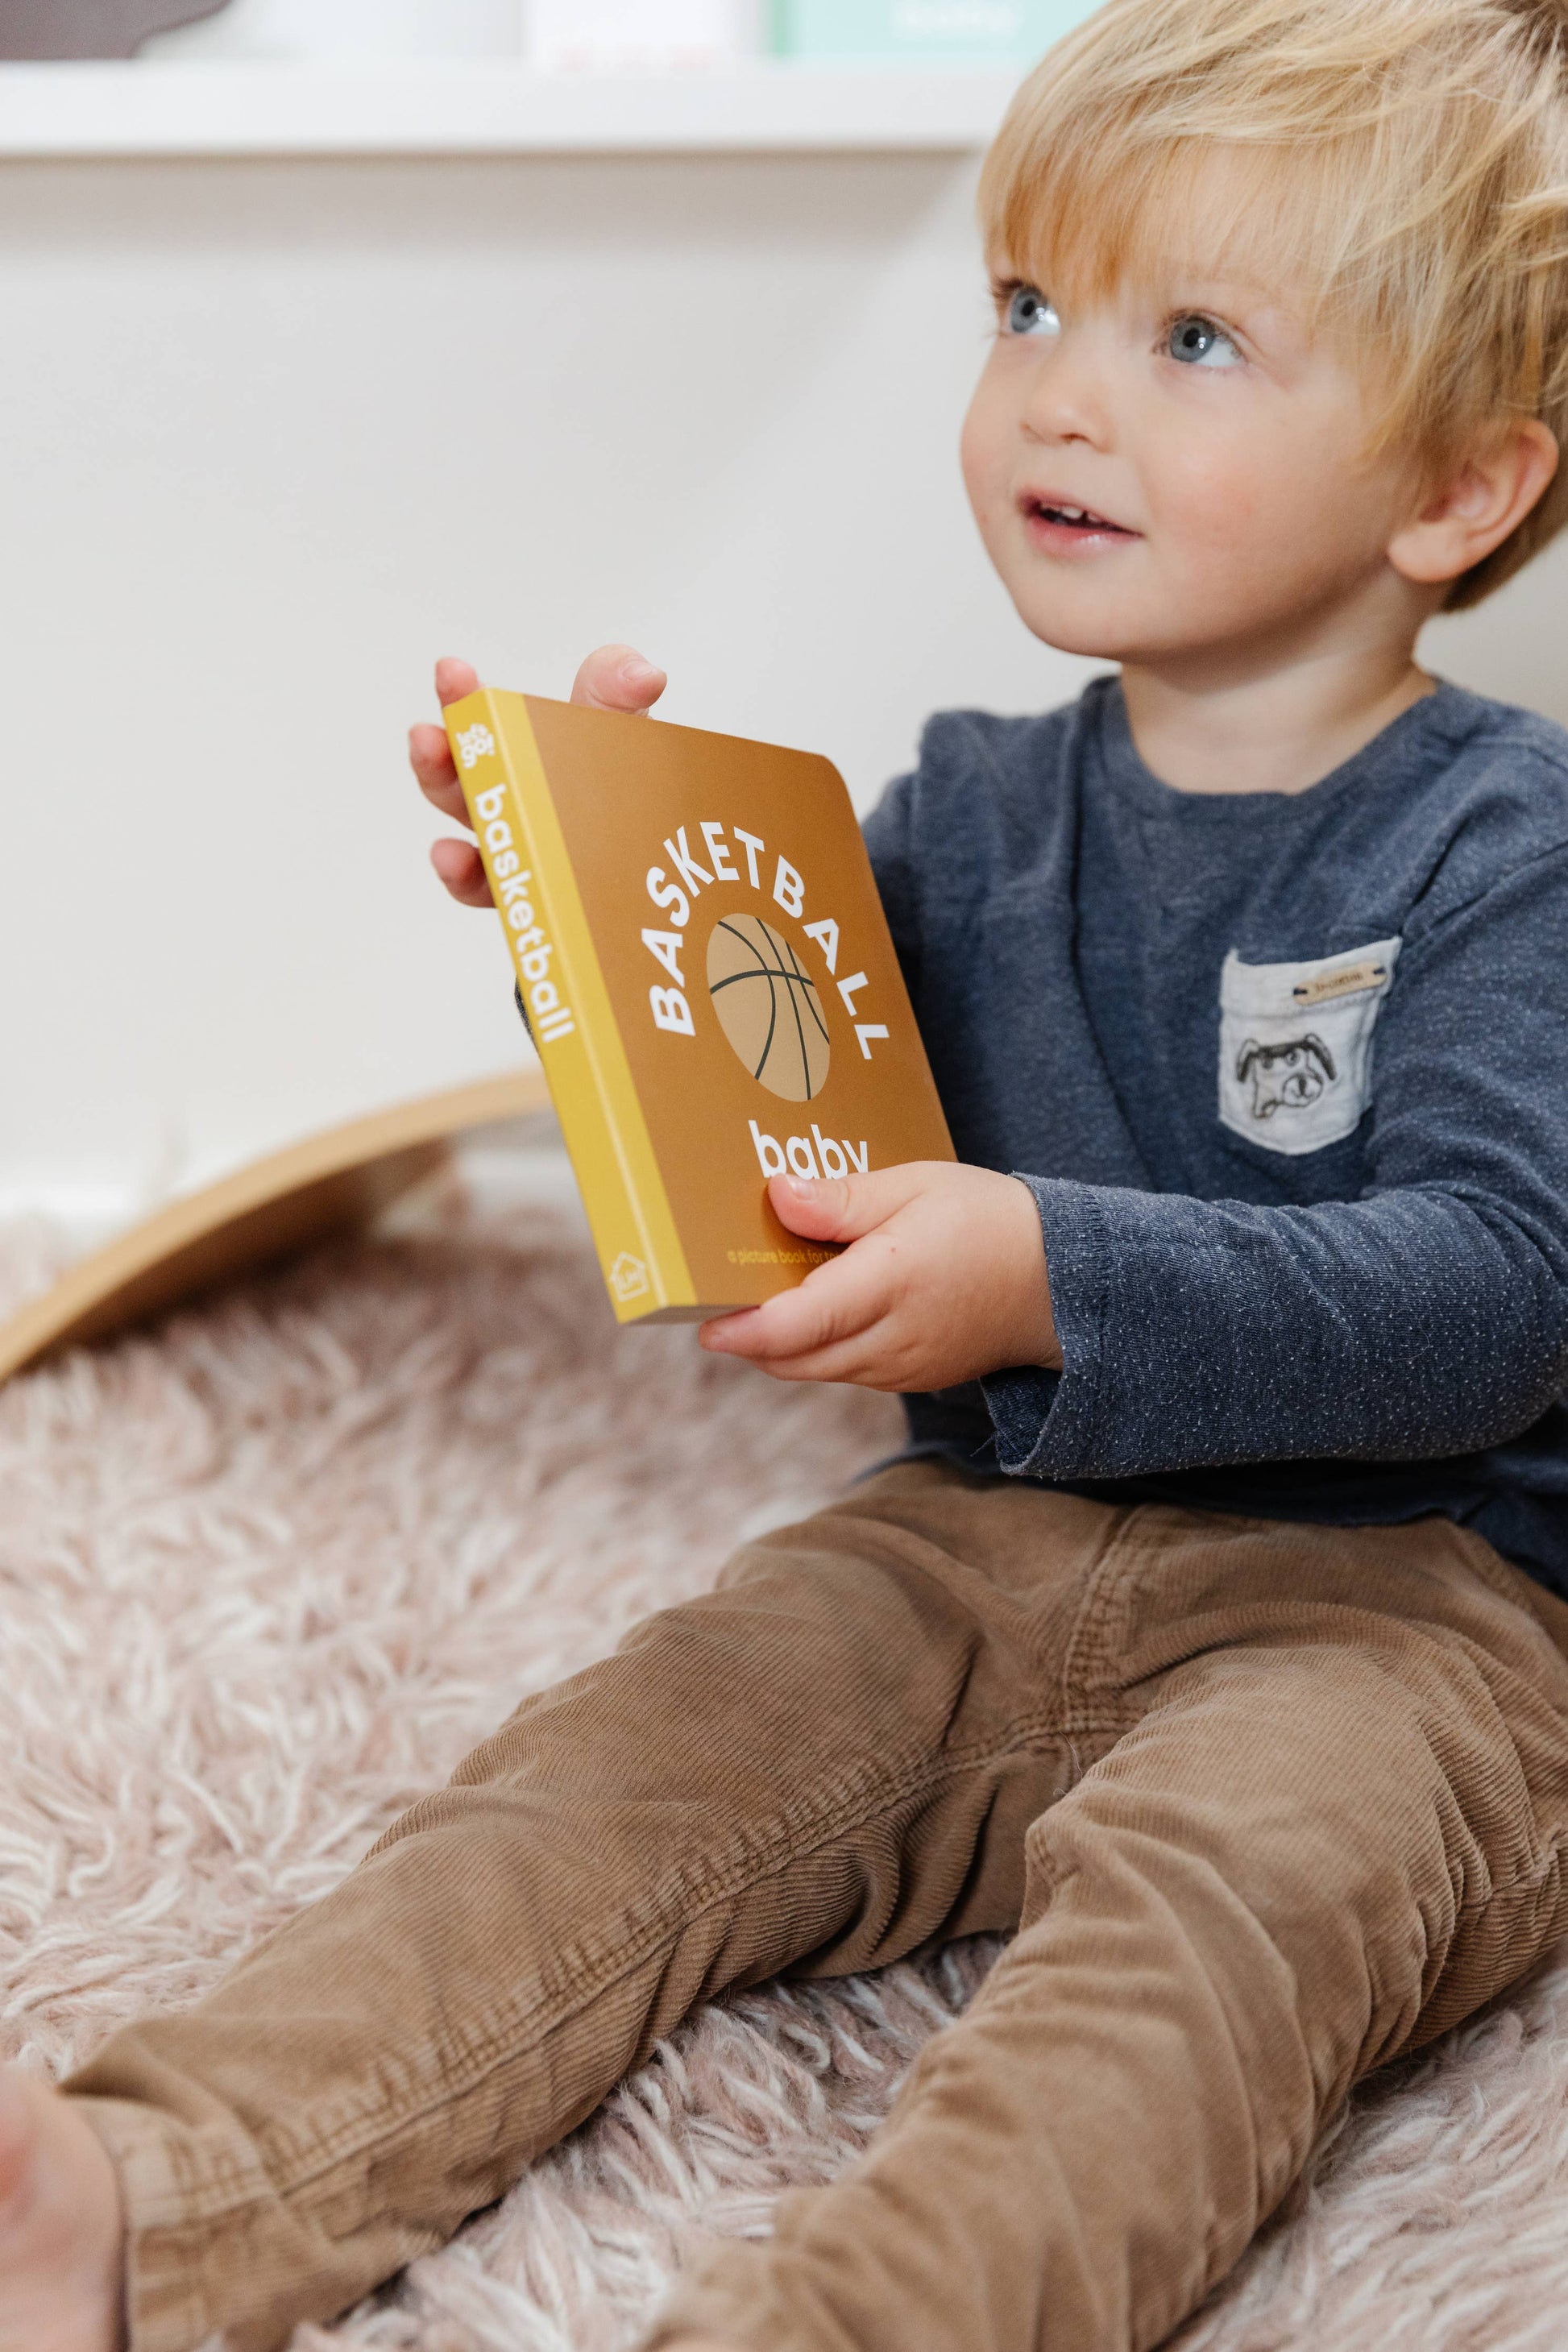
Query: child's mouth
x,y
1057,524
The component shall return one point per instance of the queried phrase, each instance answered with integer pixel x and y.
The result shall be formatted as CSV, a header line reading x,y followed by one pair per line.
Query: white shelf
x,y
145,109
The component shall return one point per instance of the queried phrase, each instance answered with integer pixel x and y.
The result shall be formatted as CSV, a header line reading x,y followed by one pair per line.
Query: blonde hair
x,y
1400,165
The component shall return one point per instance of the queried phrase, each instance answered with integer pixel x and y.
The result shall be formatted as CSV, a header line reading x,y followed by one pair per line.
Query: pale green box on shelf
x,y
921,32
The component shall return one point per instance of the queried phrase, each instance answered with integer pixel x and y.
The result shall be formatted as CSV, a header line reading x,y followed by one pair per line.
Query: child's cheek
x,y
1233,511
983,449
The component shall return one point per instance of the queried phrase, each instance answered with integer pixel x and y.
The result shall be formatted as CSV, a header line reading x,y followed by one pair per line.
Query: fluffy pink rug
x,y
266,1574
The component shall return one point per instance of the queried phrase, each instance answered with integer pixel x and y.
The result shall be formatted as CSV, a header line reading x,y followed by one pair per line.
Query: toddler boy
x,y
1211,1633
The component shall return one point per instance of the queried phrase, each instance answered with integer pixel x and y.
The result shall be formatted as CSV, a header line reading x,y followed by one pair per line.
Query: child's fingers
x,y
455,680
430,754
867,1359
430,757
462,870
831,1306
617,677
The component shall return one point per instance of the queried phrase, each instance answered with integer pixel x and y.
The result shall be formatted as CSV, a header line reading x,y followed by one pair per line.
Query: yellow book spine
x,y
569,1009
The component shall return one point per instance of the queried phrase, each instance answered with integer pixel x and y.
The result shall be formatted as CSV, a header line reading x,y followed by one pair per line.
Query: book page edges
x,y
590,1080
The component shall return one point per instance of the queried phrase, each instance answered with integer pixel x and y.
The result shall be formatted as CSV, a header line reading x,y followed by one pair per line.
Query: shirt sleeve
x,y
1427,1318
887,836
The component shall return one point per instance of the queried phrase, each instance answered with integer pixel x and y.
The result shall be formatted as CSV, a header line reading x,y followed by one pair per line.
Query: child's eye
x,y
1029,313
1198,343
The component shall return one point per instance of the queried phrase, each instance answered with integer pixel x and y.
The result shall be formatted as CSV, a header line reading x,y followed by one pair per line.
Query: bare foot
x,y
62,2233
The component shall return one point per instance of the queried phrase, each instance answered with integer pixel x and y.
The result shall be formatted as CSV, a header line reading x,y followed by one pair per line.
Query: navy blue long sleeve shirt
x,y
1288,1077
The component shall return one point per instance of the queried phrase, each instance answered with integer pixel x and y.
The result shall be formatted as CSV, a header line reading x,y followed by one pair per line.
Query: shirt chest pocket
x,y
1295,1046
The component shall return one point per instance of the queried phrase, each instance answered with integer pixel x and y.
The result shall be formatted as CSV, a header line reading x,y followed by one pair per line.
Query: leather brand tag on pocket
x,y
1350,982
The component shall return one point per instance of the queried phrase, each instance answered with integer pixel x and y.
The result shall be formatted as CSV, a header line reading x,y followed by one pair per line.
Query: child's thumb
x,y
835,1207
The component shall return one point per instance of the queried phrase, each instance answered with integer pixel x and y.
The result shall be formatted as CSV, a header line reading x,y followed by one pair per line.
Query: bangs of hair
x,y
1396,170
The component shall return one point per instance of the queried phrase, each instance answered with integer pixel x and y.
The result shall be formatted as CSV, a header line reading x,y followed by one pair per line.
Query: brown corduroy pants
x,y
1268,1804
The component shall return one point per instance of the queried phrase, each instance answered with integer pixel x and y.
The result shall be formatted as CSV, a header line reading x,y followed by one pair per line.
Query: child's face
x,y
1214,448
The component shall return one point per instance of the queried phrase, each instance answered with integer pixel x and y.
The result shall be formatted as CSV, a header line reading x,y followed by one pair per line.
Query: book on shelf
x,y
923,32
695,933
646,35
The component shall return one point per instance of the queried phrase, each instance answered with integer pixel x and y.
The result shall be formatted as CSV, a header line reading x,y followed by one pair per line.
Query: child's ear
x,y
1489,495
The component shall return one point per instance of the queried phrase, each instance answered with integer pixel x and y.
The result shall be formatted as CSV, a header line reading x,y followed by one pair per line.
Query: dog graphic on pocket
x,y
1286,1076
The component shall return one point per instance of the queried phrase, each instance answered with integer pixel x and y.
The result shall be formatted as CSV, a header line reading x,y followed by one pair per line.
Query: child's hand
x,y
613,679
944,1278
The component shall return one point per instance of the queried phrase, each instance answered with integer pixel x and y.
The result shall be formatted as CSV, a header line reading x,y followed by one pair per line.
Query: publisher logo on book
x,y
630,1278
772,998
474,745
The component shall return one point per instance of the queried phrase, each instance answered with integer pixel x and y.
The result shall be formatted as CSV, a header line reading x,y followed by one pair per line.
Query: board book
x,y
695,932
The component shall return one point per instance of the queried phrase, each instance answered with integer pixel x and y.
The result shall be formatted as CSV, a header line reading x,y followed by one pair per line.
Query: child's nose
x,y
1069,398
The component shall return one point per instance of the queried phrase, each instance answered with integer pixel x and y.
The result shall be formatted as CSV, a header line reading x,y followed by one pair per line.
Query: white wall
x,y
273,436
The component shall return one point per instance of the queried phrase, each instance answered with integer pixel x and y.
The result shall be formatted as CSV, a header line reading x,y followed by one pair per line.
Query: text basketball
x,y
768,1007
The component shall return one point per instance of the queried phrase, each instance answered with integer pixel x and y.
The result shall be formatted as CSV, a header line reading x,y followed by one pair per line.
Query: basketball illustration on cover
x,y
768,1007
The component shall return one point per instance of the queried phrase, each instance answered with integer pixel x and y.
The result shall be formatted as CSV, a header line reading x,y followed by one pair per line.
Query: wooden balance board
x,y
334,1180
